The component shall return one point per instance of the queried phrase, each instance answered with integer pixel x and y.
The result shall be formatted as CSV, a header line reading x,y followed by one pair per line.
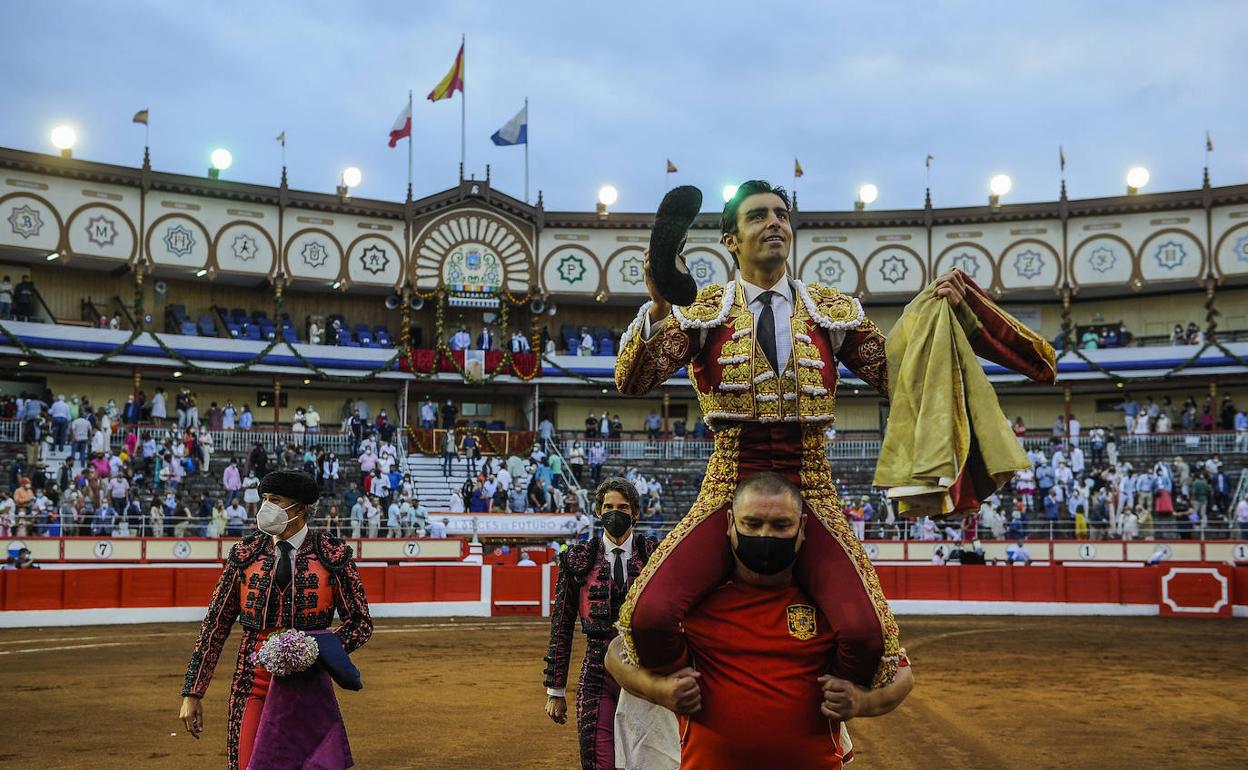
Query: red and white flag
x,y
402,125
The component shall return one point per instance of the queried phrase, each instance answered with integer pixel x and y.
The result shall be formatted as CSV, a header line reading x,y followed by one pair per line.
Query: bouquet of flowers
x,y
287,652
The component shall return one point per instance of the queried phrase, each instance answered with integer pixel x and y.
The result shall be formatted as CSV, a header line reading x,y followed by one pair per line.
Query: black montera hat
x,y
296,485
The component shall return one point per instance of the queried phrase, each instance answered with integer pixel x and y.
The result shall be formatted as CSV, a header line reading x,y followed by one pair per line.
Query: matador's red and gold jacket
x,y
324,580
714,336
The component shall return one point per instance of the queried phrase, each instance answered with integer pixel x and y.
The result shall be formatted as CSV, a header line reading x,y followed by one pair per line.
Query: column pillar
x,y
277,402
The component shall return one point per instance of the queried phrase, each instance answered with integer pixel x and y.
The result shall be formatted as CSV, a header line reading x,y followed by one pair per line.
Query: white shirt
x,y
781,308
295,540
609,550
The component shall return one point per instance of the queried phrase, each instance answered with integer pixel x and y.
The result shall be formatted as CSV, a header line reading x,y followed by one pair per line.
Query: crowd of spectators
x,y
1081,488
1162,417
137,485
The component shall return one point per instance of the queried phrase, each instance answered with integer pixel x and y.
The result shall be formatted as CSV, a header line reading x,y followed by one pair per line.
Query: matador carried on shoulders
x,y
762,353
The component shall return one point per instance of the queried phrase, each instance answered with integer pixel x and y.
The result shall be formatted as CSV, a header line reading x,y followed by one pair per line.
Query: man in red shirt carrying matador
x,y
762,353
756,693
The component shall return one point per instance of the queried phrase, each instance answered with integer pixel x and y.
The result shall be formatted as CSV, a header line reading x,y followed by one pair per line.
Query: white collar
x,y
609,547
296,539
782,287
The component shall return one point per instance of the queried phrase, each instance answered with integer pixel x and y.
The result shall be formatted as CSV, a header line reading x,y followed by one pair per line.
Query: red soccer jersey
x,y
760,652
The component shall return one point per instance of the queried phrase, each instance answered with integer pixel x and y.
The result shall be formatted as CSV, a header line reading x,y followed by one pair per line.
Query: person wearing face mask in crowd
x,y
594,576
753,690
258,588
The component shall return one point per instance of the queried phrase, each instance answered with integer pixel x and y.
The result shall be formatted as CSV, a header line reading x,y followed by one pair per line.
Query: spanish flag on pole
x,y
454,80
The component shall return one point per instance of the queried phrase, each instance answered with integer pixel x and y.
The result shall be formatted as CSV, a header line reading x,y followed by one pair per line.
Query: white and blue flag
x,y
515,132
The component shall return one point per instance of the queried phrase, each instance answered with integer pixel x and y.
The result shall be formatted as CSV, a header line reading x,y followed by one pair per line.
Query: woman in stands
x,y
258,588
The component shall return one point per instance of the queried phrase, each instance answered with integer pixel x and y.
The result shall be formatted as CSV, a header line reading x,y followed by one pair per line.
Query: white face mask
x,y
272,518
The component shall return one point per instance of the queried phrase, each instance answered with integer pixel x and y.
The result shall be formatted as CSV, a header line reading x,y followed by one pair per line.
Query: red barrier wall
x,y
521,587
173,587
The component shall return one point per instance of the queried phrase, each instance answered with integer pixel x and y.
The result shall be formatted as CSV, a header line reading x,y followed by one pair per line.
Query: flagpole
x,y
463,102
526,149
409,144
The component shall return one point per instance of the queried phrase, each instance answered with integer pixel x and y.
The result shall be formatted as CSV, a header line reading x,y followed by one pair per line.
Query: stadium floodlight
x,y
730,190
1137,177
221,160
350,177
866,195
607,196
1000,184
64,138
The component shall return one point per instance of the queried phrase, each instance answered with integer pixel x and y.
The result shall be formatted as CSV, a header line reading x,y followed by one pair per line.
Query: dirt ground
x,y
990,693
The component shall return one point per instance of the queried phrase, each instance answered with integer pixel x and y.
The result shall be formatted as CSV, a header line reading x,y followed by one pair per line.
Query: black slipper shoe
x,y
676,213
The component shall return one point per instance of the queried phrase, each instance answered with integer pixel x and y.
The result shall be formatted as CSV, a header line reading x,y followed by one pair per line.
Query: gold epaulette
x,y
707,309
833,308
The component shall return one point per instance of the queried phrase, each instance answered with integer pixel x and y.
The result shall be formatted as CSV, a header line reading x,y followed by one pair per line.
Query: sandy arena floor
x,y
991,693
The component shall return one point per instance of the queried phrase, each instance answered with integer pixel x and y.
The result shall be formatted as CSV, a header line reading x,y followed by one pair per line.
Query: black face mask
x,y
616,523
766,555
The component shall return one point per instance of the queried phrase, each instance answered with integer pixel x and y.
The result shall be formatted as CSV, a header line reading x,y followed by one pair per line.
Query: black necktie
x,y
767,330
617,575
282,575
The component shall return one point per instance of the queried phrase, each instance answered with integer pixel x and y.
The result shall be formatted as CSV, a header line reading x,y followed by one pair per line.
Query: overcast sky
x,y
858,91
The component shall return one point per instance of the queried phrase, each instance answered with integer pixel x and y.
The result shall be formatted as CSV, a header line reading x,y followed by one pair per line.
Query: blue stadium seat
x,y
382,336
206,326
190,329
236,330
606,346
251,332
288,334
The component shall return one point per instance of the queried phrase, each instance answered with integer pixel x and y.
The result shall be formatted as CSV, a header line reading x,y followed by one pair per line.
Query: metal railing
x,y
10,431
950,531
867,447
239,442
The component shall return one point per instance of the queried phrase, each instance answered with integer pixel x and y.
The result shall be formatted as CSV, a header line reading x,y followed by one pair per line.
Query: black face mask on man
x,y
765,555
616,523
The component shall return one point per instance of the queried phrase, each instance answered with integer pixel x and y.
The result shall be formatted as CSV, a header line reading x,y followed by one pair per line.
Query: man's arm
x,y
844,700
677,692
559,650
654,347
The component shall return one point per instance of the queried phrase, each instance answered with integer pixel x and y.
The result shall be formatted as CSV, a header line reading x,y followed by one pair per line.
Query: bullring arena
x,y
994,692
465,690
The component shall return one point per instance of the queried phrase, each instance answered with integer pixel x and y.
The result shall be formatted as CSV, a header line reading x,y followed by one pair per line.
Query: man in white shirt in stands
x,y
460,340
519,343
455,506
372,514
357,517
394,520
1073,428
526,560
235,518
437,528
